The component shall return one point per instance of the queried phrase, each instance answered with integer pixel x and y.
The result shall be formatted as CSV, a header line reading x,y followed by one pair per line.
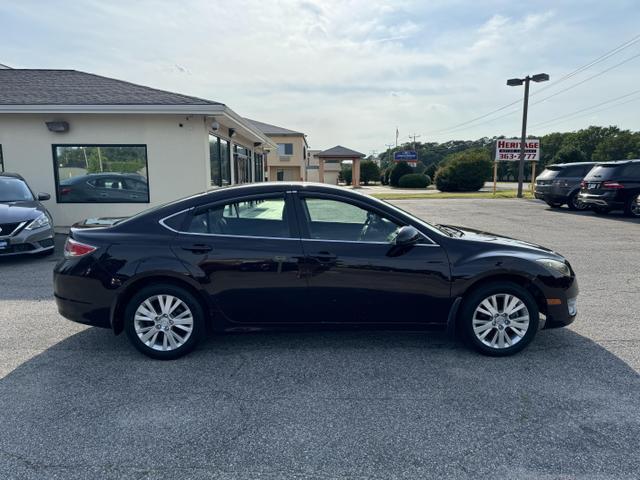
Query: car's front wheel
x,y
499,319
164,321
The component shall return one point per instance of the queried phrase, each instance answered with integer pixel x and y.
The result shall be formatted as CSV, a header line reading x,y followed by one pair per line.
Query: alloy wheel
x,y
635,206
501,320
578,204
163,322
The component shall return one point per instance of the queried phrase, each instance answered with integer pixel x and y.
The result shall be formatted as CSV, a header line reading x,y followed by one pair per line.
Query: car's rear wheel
x,y
499,319
632,208
601,210
575,203
554,204
164,321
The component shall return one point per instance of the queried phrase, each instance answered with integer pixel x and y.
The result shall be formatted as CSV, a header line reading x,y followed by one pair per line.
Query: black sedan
x,y
285,255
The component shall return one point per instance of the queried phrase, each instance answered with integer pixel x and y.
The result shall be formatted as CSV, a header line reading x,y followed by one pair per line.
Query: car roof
x,y
569,164
620,162
11,175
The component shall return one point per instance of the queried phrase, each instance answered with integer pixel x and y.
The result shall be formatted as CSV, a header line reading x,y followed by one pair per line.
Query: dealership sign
x,y
406,156
508,150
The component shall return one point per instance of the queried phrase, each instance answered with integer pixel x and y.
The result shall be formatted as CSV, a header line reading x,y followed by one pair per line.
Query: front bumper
x,y
27,242
561,303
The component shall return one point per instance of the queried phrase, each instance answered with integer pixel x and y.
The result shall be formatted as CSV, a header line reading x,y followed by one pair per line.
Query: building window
x,y
1,160
242,164
258,174
219,160
285,149
101,173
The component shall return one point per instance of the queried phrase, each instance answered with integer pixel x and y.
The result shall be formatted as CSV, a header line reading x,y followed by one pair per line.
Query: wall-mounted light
x,y
58,127
232,132
215,125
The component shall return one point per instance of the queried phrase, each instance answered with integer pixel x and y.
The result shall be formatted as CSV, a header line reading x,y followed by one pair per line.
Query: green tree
x,y
569,154
400,169
369,172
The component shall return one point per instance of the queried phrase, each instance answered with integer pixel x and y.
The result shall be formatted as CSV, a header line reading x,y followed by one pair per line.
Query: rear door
x,y
247,254
355,274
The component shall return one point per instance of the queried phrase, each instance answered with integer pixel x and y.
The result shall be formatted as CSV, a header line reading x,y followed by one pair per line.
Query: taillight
x,y
612,185
583,184
65,191
73,248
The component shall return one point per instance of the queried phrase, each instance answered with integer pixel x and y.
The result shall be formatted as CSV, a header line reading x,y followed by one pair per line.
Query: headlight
x,y
41,221
555,266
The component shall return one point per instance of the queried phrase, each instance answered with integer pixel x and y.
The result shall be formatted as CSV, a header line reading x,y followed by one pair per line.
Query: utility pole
x,y
414,136
388,145
513,82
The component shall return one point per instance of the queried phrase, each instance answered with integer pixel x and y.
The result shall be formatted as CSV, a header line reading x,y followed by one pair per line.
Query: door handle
x,y
198,248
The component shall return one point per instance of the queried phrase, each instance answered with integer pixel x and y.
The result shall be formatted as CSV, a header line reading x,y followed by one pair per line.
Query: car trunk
x,y
594,181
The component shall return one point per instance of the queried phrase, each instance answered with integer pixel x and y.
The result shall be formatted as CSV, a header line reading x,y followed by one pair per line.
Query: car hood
x,y
11,212
471,234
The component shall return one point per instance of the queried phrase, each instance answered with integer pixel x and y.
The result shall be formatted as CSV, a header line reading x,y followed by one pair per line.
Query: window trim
x,y
56,177
1,160
284,149
304,227
294,231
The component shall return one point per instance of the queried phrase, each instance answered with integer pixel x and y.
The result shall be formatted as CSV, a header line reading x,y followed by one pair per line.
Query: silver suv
x,y
25,225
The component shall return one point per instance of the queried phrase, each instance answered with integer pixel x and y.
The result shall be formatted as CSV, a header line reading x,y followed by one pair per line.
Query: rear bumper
x,y
83,312
604,200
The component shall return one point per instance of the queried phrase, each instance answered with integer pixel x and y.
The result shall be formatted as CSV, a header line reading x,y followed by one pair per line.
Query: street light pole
x,y
524,135
540,77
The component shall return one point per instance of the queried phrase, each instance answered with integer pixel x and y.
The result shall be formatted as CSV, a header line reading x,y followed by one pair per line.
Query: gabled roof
x,y
269,129
341,152
71,87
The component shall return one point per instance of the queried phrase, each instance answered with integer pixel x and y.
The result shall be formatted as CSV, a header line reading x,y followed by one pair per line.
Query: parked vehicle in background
x,y
104,187
283,255
613,186
25,224
559,184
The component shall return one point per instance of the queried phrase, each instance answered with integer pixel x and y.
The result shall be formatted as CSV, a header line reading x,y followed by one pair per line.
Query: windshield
x,y
14,190
603,172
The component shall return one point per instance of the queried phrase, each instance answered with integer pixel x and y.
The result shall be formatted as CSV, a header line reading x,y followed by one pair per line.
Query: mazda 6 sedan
x,y
289,255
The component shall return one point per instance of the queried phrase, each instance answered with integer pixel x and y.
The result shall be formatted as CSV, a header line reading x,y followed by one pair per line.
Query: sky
x,y
351,72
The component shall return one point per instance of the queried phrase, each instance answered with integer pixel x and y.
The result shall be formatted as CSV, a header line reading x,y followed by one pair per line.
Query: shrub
x,y
414,180
369,172
400,169
466,171
386,174
345,174
430,171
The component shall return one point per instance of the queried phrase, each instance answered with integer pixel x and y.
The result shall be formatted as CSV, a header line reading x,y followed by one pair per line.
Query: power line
x,y
586,108
569,75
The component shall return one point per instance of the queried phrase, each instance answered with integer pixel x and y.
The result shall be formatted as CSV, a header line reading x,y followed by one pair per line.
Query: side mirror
x,y
43,196
407,236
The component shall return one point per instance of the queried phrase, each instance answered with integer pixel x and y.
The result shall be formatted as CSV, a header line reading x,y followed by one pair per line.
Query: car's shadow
x,y
613,216
320,404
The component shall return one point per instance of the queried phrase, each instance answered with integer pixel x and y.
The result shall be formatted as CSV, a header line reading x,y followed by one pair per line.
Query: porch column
x,y
320,170
355,173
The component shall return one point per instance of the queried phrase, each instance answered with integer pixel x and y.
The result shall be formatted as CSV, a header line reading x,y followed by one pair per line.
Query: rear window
x,y
550,173
603,172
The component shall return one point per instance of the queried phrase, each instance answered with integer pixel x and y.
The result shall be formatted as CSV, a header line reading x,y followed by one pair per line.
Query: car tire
x,y
499,319
632,207
601,210
576,204
554,204
164,321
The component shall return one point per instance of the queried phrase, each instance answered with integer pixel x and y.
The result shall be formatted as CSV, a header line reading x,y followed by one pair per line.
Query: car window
x,y
632,171
574,171
603,172
264,217
329,219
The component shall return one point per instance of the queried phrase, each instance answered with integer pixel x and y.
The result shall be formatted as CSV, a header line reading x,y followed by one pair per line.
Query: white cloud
x,y
344,72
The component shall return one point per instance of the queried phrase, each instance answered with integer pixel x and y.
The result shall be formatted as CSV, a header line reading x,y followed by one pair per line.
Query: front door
x,y
247,254
355,274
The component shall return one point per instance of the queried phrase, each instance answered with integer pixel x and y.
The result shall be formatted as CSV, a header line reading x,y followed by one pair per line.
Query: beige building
x,y
331,168
290,163
104,147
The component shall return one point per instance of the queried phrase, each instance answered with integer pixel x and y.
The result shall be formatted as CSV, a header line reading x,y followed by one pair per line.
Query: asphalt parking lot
x,y
78,402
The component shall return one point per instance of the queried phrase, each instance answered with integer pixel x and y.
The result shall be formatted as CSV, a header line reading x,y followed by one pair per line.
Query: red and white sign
x,y
508,150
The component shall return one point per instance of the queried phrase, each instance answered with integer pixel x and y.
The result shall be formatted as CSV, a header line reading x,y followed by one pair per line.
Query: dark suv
x,y
559,184
613,186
